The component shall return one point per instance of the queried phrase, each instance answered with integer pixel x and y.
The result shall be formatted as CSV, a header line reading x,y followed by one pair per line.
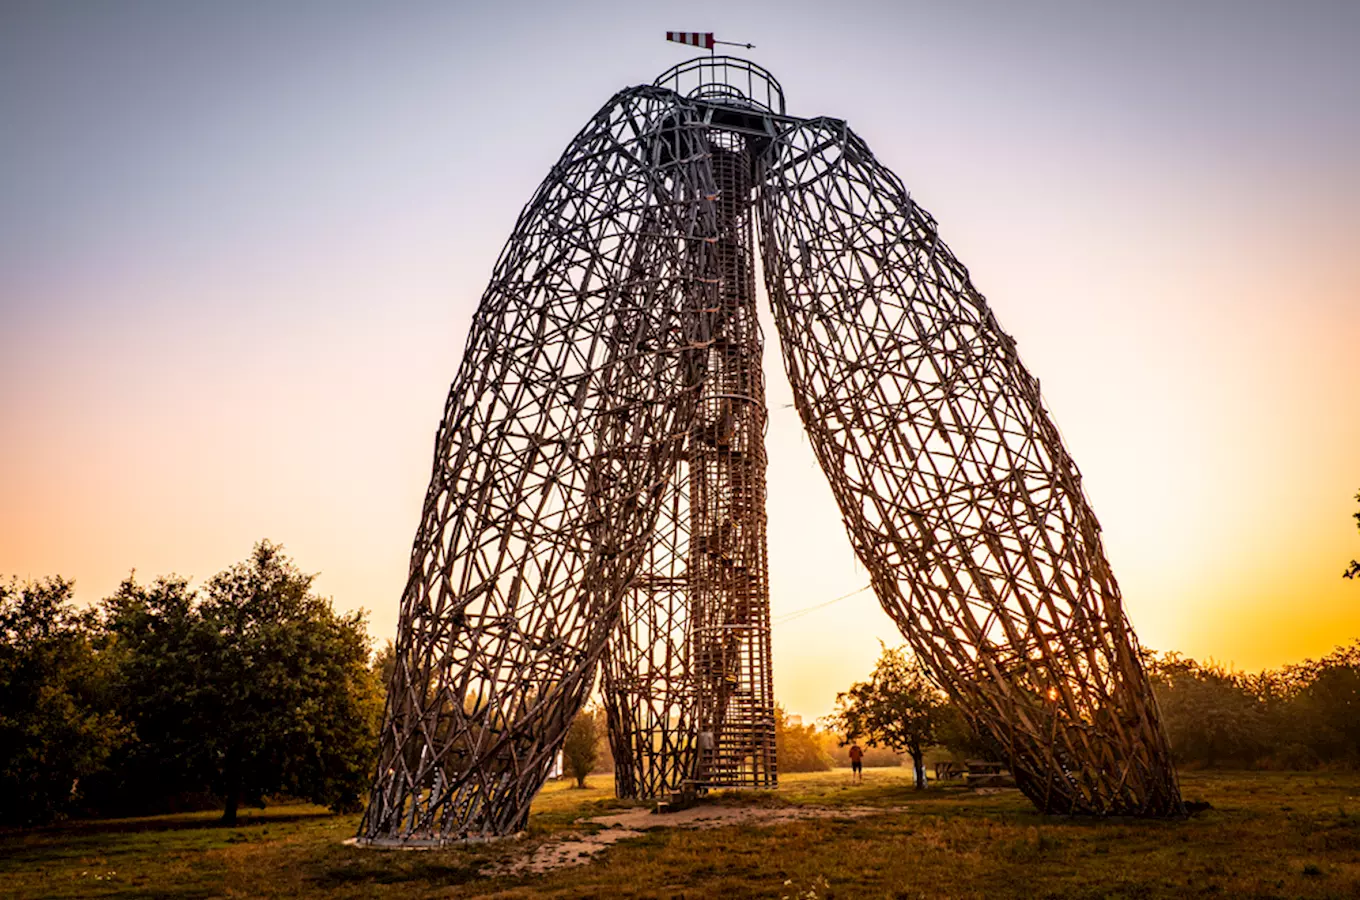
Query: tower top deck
x,y
725,80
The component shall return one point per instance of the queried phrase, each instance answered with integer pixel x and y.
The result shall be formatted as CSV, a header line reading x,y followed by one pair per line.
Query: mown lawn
x,y
1268,835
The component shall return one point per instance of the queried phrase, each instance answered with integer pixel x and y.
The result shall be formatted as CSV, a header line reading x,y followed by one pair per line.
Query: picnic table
x,y
988,772
947,769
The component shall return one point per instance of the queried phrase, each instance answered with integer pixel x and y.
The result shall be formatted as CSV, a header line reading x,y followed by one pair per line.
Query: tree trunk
x,y
233,792
233,801
918,762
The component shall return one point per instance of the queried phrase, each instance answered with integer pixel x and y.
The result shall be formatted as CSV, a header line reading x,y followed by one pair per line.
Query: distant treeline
x,y
1296,717
799,747
1302,716
807,748
162,697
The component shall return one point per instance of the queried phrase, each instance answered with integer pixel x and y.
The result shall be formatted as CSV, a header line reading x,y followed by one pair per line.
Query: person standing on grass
x,y
856,763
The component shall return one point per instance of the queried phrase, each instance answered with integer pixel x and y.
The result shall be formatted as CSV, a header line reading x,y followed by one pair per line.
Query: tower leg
x,y
957,492
560,431
648,691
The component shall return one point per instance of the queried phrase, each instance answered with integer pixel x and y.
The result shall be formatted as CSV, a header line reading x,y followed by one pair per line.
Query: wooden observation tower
x,y
597,500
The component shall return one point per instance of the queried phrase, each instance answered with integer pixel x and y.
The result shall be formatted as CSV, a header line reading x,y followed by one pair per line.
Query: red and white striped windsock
x,y
693,38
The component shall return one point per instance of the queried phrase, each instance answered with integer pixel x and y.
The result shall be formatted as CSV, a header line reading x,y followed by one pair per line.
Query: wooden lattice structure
x,y
598,493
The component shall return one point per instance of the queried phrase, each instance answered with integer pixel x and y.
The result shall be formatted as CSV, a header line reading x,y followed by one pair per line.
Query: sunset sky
x,y
241,245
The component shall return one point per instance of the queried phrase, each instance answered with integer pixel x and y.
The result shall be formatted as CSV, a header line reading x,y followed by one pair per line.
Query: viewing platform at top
x,y
741,95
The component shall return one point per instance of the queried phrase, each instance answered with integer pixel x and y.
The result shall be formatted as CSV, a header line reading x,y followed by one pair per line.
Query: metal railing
x,y
725,79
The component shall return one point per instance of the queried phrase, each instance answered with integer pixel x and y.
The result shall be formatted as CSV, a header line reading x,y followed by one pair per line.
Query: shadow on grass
x,y
169,822
392,867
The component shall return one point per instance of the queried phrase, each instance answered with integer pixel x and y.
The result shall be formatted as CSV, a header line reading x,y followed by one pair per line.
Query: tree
x,y
956,734
897,708
1325,704
1211,715
581,749
256,687
798,747
1353,569
384,664
56,727
154,637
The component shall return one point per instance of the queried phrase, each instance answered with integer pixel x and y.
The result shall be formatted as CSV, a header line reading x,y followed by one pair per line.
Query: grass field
x,y
1268,835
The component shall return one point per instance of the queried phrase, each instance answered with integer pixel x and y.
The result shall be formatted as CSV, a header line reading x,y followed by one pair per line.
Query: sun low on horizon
x,y
240,252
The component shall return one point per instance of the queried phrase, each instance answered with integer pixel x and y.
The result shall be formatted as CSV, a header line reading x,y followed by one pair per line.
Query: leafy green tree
x,y
798,747
1325,704
897,708
56,727
1354,568
384,664
581,749
1332,703
957,735
255,687
153,637
1212,716
1296,717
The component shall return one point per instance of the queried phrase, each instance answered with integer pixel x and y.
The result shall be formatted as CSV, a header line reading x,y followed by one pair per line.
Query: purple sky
x,y
241,244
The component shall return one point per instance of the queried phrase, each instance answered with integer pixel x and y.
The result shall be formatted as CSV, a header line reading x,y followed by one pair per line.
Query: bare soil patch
x,y
576,848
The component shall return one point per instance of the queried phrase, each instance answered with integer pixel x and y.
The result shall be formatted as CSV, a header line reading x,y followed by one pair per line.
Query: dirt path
x,y
578,848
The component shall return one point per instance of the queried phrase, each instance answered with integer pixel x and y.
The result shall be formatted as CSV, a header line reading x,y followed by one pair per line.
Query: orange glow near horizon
x,y
233,299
